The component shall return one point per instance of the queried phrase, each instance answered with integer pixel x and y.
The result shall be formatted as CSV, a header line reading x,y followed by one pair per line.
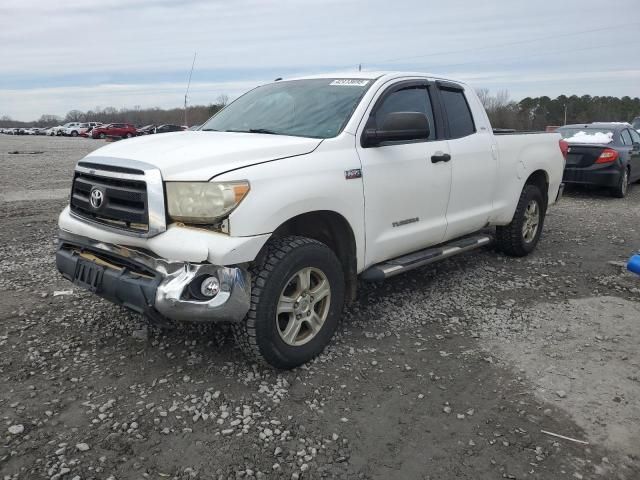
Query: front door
x,y
405,190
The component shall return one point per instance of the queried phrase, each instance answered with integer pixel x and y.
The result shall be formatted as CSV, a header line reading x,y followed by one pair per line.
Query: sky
x,y
56,56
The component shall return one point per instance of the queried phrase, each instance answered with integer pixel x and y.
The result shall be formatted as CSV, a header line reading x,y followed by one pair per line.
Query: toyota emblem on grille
x,y
97,197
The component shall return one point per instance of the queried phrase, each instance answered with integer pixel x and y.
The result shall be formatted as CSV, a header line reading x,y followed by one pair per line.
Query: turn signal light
x,y
608,155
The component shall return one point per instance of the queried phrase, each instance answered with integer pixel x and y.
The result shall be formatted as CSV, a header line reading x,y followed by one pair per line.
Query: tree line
x,y
528,114
539,112
196,115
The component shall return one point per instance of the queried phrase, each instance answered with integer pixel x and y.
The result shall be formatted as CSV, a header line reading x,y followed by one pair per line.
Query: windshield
x,y
317,108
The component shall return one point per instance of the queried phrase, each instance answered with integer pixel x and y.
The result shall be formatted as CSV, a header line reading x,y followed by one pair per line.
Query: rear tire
x,y
520,237
102,136
291,320
74,134
128,135
620,191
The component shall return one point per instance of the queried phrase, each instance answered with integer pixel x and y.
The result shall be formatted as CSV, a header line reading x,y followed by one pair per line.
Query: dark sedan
x,y
146,130
168,128
602,154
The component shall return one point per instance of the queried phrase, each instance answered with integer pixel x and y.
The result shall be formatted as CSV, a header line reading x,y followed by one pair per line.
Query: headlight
x,y
203,202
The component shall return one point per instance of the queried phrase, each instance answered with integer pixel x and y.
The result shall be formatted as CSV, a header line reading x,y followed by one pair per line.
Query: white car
x,y
59,130
267,215
73,129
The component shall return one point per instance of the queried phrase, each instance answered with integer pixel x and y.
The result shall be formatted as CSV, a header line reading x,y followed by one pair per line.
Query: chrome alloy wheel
x,y
303,306
531,221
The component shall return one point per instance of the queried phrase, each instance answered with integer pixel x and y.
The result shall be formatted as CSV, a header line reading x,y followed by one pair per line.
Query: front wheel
x,y
297,296
128,135
520,237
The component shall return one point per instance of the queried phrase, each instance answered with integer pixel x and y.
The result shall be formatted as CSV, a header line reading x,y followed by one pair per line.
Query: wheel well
x,y
333,230
540,179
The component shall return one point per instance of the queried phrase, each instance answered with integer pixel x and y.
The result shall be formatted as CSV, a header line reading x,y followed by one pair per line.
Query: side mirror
x,y
397,127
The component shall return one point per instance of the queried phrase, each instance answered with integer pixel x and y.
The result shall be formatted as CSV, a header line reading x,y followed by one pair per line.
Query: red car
x,y
124,130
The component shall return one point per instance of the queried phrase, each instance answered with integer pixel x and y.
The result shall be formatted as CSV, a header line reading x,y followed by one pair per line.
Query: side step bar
x,y
420,258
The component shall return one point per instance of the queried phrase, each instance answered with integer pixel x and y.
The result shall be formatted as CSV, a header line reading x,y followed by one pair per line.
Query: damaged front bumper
x,y
155,287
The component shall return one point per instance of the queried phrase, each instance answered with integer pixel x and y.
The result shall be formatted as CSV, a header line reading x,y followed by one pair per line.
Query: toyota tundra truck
x,y
269,214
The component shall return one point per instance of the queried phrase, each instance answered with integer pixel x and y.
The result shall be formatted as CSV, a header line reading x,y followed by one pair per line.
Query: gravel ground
x,y
451,371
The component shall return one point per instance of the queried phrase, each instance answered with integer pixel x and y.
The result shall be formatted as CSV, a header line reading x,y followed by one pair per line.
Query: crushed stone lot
x,y
448,372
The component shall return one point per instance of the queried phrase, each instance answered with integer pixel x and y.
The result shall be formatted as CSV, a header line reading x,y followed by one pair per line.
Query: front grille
x,y
123,204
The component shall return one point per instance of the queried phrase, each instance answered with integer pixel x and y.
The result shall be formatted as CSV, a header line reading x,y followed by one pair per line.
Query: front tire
x,y
520,237
297,296
74,134
620,191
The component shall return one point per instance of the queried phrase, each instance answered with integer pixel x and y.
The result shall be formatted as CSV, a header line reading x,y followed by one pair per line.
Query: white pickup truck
x,y
268,214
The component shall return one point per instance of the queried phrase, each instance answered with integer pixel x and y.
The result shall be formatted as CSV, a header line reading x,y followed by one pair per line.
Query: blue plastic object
x,y
634,264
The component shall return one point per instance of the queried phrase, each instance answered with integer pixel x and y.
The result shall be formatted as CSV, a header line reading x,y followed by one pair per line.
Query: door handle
x,y
440,157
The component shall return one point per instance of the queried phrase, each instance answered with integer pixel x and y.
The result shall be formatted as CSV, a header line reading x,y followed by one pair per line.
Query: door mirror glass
x,y
398,127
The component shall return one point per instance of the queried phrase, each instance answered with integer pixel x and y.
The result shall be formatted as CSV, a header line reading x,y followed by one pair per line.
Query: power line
x,y
507,44
529,55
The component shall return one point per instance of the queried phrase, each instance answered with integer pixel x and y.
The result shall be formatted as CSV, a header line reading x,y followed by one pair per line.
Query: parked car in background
x,y
636,124
80,129
168,128
59,130
74,129
71,129
602,154
146,130
124,130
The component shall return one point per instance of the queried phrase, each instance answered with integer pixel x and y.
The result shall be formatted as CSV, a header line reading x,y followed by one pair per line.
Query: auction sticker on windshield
x,y
349,82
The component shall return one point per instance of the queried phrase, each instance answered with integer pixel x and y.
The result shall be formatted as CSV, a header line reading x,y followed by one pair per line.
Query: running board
x,y
427,256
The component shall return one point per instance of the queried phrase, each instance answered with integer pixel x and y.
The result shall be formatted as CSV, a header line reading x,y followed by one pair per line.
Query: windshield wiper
x,y
256,130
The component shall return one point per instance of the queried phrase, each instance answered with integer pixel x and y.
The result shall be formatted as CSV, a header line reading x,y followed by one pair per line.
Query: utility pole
x,y
359,67
565,113
186,121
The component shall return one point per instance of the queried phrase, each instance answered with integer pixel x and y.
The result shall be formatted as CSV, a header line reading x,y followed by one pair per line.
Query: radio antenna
x,y
186,94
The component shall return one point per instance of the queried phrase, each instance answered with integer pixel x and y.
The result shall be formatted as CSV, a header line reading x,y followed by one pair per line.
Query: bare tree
x,y
222,100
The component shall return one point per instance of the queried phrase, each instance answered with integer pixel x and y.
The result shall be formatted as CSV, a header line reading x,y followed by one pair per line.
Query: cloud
x,y
122,53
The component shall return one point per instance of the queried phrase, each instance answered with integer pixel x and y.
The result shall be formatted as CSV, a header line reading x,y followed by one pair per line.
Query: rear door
x,y
405,192
473,163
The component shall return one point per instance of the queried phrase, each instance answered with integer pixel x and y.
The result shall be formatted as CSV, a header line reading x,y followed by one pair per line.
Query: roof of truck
x,y
374,75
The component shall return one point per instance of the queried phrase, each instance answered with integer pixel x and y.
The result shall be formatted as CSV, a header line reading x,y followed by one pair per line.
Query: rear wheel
x,y
297,295
520,237
620,191
74,134
128,135
102,135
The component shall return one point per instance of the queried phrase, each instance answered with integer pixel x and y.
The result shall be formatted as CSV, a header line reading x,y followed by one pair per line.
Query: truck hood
x,y
200,156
